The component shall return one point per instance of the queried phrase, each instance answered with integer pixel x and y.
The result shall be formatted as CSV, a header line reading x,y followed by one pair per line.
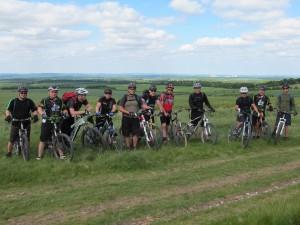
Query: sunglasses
x,y
107,93
54,91
131,88
285,88
23,92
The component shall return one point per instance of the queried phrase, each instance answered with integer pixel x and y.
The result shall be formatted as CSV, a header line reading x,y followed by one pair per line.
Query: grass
x,y
169,186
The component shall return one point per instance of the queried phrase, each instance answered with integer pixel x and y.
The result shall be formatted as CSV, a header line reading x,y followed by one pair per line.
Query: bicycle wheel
x,y
63,144
265,130
152,139
246,136
209,134
179,136
233,133
90,137
25,147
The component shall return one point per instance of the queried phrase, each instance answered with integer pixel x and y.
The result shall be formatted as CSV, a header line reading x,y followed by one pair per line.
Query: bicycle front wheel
x,y
209,134
246,136
90,137
25,147
179,136
63,146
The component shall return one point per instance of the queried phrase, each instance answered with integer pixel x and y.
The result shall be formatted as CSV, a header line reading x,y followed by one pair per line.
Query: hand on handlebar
x,y
8,118
132,114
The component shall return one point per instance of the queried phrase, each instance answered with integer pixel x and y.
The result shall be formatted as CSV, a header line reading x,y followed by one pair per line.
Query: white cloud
x,y
250,10
187,6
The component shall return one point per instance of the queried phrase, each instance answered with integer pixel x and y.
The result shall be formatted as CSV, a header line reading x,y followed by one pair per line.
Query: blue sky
x,y
214,37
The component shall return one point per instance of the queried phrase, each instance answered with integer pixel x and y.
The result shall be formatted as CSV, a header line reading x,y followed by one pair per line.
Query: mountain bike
x,y
264,129
149,130
109,136
61,145
21,145
90,136
176,130
204,129
280,127
244,131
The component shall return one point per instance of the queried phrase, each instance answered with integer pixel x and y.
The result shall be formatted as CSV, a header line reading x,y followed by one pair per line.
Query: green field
x,y
202,184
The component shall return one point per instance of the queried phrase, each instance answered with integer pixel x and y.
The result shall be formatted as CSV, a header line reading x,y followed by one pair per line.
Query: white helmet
x,y
81,91
243,90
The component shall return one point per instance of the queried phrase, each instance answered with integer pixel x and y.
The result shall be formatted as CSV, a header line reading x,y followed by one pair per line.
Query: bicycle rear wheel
x,y
265,130
25,147
90,137
233,133
153,141
63,144
179,136
209,134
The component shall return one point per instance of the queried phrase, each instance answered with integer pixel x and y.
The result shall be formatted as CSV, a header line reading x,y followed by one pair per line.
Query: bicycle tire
x,y
231,136
179,136
63,142
266,130
246,137
90,137
209,134
25,147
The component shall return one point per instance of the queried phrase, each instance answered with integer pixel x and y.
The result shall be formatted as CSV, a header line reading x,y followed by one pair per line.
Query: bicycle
x,y
21,145
149,130
204,129
90,136
61,145
108,133
176,132
264,129
280,128
244,131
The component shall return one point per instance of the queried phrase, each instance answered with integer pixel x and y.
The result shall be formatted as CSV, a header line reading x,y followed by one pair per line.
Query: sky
x,y
209,37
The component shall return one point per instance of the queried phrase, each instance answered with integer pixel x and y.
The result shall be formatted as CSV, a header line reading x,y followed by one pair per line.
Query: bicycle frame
x,y
78,124
144,124
22,130
282,121
247,124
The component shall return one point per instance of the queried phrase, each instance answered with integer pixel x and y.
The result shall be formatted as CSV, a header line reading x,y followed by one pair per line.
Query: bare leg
x,y
164,130
135,139
41,149
286,132
9,147
128,142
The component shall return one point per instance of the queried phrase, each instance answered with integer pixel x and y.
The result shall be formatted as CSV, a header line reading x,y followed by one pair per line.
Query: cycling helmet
x,y
132,85
81,91
152,88
170,85
243,90
108,91
263,87
285,85
22,89
197,85
53,88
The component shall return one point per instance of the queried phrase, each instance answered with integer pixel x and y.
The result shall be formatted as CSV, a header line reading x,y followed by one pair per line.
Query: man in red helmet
x,y
167,101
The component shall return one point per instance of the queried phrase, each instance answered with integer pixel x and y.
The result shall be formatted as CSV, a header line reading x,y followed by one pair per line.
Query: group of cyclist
x,y
70,106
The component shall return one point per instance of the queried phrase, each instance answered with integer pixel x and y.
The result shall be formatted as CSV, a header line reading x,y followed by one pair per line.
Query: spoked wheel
x,y
91,137
25,147
152,138
63,146
233,133
209,134
179,136
246,136
110,141
265,130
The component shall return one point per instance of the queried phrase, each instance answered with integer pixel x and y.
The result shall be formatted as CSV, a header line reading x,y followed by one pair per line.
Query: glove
x,y
295,113
111,114
35,118
98,114
65,115
212,109
8,118
132,114
44,116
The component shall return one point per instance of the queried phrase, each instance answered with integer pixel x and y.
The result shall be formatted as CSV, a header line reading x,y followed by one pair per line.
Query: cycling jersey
x,y
244,104
196,101
167,101
106,104
261,102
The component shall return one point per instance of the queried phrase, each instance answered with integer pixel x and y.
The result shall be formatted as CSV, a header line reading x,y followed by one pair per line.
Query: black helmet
x,y
152,87
132,85
262,87
22,89
285,85
108,91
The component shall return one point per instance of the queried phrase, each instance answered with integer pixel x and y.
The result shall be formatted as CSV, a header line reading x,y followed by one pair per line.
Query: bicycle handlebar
x,y
21,120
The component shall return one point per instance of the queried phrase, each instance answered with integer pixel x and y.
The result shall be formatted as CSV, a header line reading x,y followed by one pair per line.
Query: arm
x,y
123,110
293,105
114,108
98,107
191,104
207,103
76,113
89,107
255,108
161,109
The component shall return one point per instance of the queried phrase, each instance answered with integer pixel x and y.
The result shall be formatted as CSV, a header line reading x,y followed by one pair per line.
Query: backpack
x,y
137,98
67,96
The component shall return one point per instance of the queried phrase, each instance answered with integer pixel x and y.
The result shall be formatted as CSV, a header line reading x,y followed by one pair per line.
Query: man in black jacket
x,y
196,101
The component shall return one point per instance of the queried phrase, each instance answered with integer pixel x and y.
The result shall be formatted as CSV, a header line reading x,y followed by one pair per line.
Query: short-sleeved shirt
x,y
75,104
52,107
132,103
21,109
106,104
150,100
244,104
261,102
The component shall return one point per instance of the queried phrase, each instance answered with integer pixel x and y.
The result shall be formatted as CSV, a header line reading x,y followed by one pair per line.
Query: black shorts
x,y
130,126
288,118
46,132
242,117
165,119
14,132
